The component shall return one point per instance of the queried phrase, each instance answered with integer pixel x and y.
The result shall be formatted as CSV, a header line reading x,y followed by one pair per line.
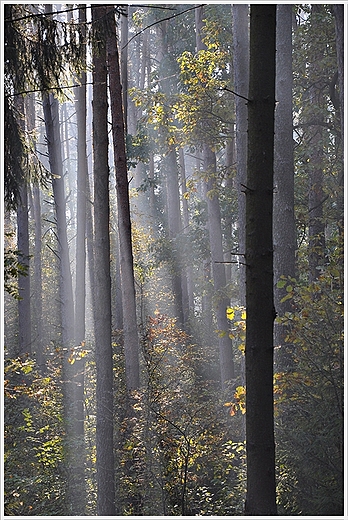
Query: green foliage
x,y
176,457
309,399
34,481
14,266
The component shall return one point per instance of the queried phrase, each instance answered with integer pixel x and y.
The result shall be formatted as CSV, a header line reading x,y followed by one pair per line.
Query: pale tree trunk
x,y
51,114
229,163
174,227
218,268
179,282
131,341
188,294
102,298
37,280
215,240
338,10
284,214
260,314
80,287
35,203
24,312
240,14
316,197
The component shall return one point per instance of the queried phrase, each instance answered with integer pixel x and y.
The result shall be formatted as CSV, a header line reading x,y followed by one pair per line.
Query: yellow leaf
x,y
243,316
230,313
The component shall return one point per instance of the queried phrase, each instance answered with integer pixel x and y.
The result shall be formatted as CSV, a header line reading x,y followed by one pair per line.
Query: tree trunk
x,y
218,268
24,313
131,342
174,227
284,215
215,240
260,499
102,324
240,14
316,226
338,10
124,64
51,114
24,319
80,288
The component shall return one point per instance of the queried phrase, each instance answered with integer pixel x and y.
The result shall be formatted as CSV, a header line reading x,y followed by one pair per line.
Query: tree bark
x,y
260,499
102,324
131,341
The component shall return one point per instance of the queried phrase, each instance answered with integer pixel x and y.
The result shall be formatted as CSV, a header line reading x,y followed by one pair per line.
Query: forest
x,y
173,260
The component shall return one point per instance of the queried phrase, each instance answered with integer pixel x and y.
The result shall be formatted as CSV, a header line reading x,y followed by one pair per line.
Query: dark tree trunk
x,y
24,319
260,499
131,342
24,312
102,298
284,217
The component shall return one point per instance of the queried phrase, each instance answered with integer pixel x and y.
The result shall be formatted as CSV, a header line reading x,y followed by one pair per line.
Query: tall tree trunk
x,y
215,240
316,226
124,64
284,215
51,115
188,294
131,342
37,281
24,319
102,324
218,268
80,287
174,227
338,10
260,499
24,310
240,14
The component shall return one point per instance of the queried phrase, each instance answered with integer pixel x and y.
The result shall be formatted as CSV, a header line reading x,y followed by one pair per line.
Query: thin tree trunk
x,y
215,240
174,227
124,63
188,299
260,499
80,288
218,269
284,214
240,14
102,324
316,225
24,312
51,114
131,342
24,319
